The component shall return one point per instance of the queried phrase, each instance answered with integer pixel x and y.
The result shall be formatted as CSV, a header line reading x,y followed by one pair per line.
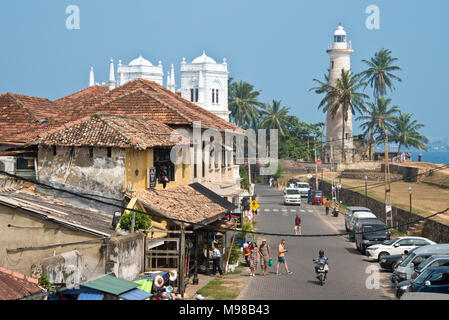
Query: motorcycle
x,y
321,272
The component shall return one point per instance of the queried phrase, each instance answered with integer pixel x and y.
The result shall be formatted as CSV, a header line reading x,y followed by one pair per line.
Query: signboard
x,y
309,176
319,161
151,178
250,215
254,205
388,209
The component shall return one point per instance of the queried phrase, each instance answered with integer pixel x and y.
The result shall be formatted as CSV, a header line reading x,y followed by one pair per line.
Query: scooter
x,y
321,272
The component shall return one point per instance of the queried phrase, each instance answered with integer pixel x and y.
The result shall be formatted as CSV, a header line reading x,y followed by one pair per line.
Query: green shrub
x,y
142,221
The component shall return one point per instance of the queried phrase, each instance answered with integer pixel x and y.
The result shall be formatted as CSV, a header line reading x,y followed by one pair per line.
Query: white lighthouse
x,y
339,52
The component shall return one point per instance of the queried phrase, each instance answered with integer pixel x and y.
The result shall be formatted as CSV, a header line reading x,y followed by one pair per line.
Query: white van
x,y
360,215
405,270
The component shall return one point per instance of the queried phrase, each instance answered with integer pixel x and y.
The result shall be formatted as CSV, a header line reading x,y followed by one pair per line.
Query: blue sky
x,y
279,46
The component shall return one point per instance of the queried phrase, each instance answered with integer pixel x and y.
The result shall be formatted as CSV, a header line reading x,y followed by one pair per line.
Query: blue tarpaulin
x,y
135,294
91,296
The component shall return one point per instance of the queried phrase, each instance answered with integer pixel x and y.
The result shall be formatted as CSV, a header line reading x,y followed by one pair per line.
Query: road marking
x,y
303,210
284,210
267,210
276,210
292,210
309,211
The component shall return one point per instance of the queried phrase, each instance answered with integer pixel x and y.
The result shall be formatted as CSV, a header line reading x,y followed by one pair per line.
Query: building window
x,y
332,64
91,152
216,96
25,163
196,94
213,95
109,152
54,150
163,164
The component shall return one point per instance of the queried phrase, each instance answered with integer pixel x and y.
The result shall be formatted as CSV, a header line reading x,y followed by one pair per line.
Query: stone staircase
x,y
416,229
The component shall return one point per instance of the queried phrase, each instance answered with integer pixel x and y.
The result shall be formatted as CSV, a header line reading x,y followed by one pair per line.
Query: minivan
x,y
405,270
350,212
370,232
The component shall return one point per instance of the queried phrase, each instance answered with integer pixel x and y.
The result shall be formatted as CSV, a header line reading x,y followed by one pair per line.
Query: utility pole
x,y
316,166
182,246
388,209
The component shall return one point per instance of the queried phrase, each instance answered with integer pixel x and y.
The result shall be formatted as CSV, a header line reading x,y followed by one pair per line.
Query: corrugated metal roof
x,y
91,296
135,294
111,285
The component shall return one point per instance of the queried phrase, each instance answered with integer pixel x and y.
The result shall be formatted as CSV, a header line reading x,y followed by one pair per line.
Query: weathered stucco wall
x,y
37,239
125,256
73,168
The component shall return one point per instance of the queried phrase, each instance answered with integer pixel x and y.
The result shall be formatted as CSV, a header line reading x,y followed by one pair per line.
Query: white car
x,y
292,196
395,246
304,188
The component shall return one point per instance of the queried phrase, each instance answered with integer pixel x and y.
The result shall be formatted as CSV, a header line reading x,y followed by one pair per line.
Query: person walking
x,y
281,257
253,258
265,255
246,251
419,157
297,225
216,260
328,205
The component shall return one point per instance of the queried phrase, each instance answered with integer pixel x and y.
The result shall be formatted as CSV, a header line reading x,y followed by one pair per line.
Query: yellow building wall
x,y
141,160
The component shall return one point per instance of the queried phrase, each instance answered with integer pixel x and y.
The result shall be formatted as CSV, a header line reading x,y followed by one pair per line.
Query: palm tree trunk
x,y
343,142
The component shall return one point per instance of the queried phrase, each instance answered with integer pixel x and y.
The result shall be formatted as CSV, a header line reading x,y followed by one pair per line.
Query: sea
x,y
432,156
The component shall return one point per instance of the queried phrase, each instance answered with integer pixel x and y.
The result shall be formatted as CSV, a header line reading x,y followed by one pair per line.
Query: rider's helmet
x,y
321,252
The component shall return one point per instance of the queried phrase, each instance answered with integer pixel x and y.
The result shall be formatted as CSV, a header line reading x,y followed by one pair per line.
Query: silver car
x,y
350,212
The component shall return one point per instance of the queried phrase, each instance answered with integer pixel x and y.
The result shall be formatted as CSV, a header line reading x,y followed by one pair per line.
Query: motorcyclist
x,y
322,259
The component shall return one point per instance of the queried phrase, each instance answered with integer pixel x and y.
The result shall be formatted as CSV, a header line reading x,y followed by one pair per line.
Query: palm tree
x,y
380,74
377,116
342,98
405,132
275,117
243,103
384,119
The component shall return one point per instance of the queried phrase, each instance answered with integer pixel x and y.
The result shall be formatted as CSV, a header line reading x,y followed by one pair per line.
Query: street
x,y
347,268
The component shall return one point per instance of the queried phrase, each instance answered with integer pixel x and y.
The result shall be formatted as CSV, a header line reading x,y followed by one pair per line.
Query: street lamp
x,y
410,195
338,192
366,191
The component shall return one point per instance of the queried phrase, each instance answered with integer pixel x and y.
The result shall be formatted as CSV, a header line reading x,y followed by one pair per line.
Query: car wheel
x,y
346,227
383,254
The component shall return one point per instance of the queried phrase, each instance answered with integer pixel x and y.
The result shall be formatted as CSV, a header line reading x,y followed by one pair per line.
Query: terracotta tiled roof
x,y
111,131
14,286
149,99
81,96
24,116
182,202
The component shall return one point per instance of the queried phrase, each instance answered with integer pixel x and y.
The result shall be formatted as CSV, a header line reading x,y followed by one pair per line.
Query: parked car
x,y
360,215
395,246
388,262
304,188
370,232
424,296
292,196
350,212
405,270
433,261
435,279
317,197
357,218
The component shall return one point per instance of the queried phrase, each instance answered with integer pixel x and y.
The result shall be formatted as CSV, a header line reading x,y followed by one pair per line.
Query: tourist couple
x,y
264,254
256,253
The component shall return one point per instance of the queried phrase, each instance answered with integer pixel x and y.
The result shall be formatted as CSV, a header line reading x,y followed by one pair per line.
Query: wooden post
x,y
195,263
182,247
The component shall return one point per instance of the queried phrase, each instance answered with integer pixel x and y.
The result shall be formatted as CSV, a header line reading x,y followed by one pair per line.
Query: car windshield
x,y
303,185
292,191
389,242
408,259
421,279
374,229
422,264
318,194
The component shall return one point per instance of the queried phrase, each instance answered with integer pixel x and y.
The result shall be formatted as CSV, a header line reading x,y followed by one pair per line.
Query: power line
x,y
229,229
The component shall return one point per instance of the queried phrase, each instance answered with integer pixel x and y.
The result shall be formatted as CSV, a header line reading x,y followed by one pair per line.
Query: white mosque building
x,y
203,81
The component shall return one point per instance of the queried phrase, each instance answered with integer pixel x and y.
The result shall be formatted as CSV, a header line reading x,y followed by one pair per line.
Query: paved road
x,y
347,275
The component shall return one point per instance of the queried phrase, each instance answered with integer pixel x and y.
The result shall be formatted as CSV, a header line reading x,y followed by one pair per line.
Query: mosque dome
x,y
204,59
140,61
